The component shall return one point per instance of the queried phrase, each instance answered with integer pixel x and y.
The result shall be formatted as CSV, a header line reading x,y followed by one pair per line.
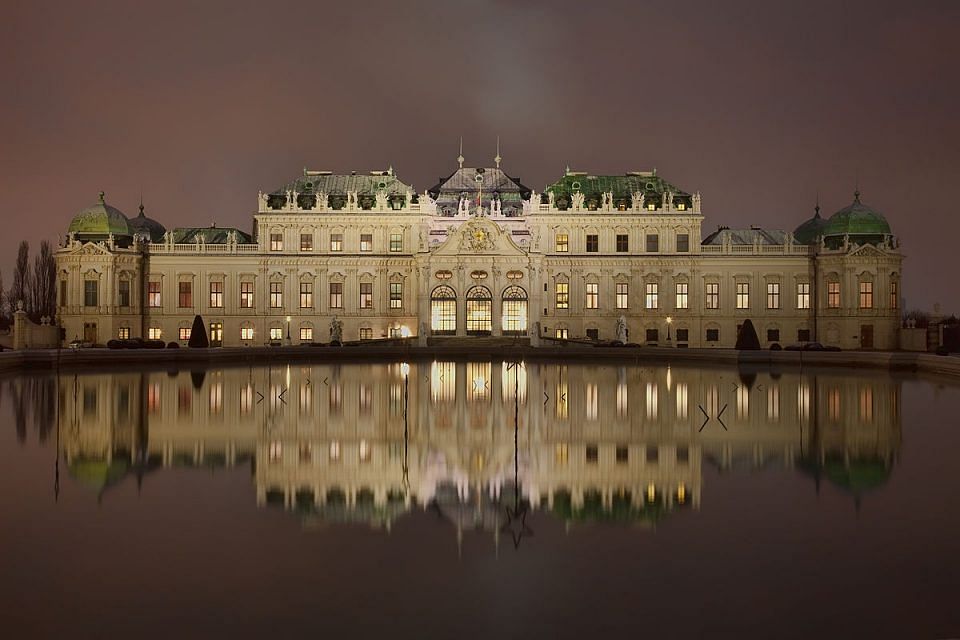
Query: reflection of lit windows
x,y
623,454
336,398
184,399
335,451
743,402
276,451
246,399
306,398
652,401
682,400
306,452
803,401
366,398
513,378
562,400
216,397
866,404
396,399
593,401
478,380
773,403
713,401
622,400
592,454
653,454
833,404
683,455
681,494
443,381
153,397
366,452
562,453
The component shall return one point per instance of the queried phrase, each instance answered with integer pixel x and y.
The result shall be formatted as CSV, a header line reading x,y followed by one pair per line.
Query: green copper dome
x,y
99,221
857,220
147,227
811,229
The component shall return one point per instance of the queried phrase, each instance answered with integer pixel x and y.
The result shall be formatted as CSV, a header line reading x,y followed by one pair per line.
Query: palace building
x,y
480,254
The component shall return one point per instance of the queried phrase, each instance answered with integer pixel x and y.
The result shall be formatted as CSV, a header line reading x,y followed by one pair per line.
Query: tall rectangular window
x,y
683,243
123,293
683,297
306,242
653,242
336,295
593,295
396,242
623,301
184,295
366,242
773,295
276,242
563,243
894,295
306,334
803,295
396,295
246,295
336,242
711,297
91,293
216,294
833,295
153,294
563,295
866,295
366,295
306,295
743,295
593,243
623,243
652,297
276,295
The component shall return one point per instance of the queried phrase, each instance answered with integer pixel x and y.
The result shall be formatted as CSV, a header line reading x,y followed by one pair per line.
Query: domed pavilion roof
x,y
99,221
810,229
147,226
857,219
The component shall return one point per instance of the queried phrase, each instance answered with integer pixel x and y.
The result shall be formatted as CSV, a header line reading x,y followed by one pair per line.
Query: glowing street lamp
x,y
288,329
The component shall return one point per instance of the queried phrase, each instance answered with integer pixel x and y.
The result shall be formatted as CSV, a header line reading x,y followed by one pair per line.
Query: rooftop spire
x,y
816,209
101,195
460,157
497,157
141,203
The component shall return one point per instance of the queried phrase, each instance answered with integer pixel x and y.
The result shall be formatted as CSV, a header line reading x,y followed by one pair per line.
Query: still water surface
x,y
479,499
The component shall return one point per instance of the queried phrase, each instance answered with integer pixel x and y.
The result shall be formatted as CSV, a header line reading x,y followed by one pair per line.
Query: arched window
x,y
514,311
443,311
479,311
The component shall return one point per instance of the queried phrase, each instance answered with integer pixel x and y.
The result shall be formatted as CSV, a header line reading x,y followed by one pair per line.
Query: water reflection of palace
x,y
593,442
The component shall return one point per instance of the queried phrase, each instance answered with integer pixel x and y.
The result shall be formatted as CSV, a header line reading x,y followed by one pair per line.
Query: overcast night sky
x,y
758,105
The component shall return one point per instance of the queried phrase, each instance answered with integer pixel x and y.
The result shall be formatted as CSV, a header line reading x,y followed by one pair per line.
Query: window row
x,y
335,244
622,243
248,301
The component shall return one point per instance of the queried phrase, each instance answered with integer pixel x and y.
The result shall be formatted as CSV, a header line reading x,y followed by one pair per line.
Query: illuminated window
x,y
184,333
246,333
803,295
513,309
154,333
623,243
366,333
563,243
366,242
306,242
479,311
306,295
712,295
563,295
366,295
866,295
743,295
773,295
622,297
683,297
681,206
246,295
396,295
593,243
306,334
443,311
593,295
683,243
123,293
276,242
276,295
894,295
833,295
651,206
276,333
653,242
216,294
123,333
562,333
336,295
652,297
153,294
185,294
336,242
396,242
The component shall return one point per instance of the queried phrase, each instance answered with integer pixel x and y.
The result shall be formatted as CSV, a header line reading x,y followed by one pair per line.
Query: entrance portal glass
x,y
479,312
443,311
514,311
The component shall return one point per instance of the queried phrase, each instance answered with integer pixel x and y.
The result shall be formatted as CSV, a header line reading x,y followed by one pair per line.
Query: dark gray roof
x,y
340,184
208,235
747,236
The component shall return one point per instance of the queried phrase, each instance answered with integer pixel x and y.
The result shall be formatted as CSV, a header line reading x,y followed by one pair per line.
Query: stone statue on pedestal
x,y
336,330
622,329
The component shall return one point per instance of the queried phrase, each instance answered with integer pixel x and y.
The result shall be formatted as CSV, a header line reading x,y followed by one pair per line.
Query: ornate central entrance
x,y
514,311
479,311
443,311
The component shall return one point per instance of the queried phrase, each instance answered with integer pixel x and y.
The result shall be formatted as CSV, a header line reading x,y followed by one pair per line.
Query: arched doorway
x,y
514,311
443,311
479,311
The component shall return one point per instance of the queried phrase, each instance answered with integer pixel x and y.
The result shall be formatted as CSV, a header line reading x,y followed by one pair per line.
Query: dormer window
x,y
651,206
681,206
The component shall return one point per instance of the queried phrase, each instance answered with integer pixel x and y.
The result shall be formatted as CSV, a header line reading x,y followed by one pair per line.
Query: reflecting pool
x,y
479,499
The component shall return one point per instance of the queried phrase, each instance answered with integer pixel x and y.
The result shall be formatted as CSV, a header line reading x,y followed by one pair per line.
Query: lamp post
x,y
669,322
288,330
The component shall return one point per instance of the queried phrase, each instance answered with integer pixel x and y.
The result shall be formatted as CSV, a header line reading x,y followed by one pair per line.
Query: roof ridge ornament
x,y
497,157
101,196
460,156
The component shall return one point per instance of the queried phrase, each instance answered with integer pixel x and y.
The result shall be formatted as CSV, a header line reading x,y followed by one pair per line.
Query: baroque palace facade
x,y
481,254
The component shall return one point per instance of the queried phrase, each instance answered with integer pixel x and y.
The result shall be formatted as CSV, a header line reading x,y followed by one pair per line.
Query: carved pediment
x,y
479,236
90,249
867,251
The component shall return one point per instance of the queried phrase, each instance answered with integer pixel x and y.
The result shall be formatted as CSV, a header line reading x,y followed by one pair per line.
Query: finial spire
x,y
497,157
816,209
460,157
101,195
141,203
856,187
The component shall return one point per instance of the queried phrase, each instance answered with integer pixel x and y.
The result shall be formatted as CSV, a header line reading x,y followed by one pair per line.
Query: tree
x,y
747,337
44,284
198,335
19,290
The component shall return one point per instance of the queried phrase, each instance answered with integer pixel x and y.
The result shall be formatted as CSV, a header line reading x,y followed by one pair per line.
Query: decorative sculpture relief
x,y
622,329
336,330
577,201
